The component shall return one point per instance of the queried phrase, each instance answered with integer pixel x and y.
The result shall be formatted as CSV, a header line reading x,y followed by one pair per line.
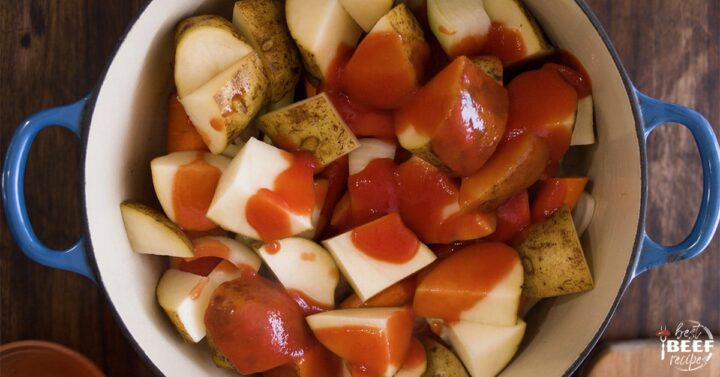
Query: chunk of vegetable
x,y
553,259
441,362
513,168
150,232
388,64
461,26
456,120
367,12
205,46
262,23
224,106
321,29
312,125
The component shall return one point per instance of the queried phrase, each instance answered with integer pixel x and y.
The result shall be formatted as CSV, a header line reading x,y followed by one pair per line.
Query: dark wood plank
x,y
671,50
53,53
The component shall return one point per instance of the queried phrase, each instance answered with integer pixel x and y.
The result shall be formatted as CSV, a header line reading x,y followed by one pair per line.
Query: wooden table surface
x,y
52,53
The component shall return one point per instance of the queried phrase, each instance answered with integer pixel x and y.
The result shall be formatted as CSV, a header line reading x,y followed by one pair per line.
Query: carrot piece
x,y
556,192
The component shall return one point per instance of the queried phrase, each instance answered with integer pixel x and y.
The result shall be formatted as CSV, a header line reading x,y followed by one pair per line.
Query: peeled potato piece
x,y
461,26
513,15
584,129
320,28
205,46
262,24
151,232
367,12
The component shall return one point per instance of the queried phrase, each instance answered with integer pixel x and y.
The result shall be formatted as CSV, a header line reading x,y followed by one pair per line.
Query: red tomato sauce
x,y
542,102
424,194
370,350
415,356
256,325
505,43
373,193
294,191
463,111
380,74
307,304
512,217
193,189
462,279
386,239
472,45
317,361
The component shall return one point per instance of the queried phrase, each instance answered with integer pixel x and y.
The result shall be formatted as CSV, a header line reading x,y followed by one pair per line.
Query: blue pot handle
x,y
72,259
655,113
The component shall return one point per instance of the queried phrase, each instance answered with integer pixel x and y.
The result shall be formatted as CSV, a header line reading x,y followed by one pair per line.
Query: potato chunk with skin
x,y
491,65
262,24
223,107
553,259
441,362
205,46
513,168
150,232
312,125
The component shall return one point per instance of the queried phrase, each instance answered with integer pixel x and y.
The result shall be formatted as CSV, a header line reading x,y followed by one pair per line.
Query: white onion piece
x,y
583,212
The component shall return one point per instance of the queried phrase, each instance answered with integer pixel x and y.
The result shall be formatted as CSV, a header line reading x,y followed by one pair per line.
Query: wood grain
x,y
52,53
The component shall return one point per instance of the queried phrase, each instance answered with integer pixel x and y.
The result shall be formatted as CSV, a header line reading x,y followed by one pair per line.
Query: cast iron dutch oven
x,y
118,124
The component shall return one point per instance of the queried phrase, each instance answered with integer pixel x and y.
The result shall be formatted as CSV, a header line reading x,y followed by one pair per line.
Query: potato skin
x,y
220,360
252,83
552,258
491,65
312,125
262,24
203,21
441,362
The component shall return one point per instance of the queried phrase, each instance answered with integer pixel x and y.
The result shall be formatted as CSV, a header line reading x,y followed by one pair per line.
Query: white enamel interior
x,y
127,131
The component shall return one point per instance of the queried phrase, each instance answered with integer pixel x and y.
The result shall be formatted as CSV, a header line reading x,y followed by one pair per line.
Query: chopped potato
x,y
312,125
553,259
492,65
262,24
441,362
